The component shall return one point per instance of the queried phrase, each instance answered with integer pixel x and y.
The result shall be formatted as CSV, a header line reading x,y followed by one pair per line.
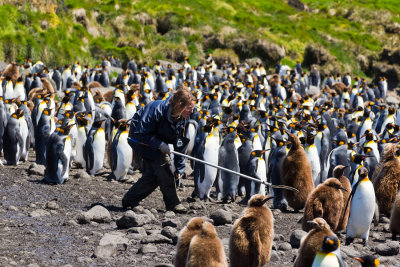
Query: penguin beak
x,y
266,199
312,222
342,188
359,259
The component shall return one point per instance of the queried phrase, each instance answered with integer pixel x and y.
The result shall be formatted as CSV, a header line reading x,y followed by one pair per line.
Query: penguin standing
x,y
256,167
296,172
362,208
94,148
81,140
338,173
206,249
207,152
229,159
252,235
25,135
192,228
58,153
329,254
386,182
121,153
395,218
43,130
326,201
312,242
12,139
3,123
274,173
313,157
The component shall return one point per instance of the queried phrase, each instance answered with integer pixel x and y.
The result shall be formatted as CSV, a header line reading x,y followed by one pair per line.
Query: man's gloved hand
x,y
164,148
178,179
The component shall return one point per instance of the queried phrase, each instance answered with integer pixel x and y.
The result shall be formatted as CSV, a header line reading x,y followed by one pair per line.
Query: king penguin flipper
x,y
63,158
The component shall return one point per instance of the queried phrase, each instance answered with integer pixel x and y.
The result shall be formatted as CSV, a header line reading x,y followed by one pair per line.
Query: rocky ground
x,y
79,224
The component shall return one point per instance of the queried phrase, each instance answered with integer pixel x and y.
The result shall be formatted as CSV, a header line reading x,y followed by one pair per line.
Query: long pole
x,y
233,172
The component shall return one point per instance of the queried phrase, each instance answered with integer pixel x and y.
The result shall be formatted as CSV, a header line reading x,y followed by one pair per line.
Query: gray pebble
x,y
221,217
284,246
172,222
296,237
390,248
274,256
148,248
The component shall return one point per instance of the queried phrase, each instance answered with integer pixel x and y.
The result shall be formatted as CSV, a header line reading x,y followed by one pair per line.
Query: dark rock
x,y
221,217
316,54
214,41
130,219
175,223
157,238
390,248
269,52
169,232
298,5
391,72
164,25
148,249
296,237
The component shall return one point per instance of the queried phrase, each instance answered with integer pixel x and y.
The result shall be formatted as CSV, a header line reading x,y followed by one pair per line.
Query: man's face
x,y
188,110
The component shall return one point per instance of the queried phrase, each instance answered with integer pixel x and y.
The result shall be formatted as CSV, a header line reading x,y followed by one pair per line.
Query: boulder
x,y
268,51
316,54
105,251
130,219
116,238
156,238
98,214
298,5
35,169
296,236
39,213
221,217
175,223
390,248
148,248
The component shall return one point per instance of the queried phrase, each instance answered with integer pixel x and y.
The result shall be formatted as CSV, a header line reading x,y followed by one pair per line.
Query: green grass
x,y
64,40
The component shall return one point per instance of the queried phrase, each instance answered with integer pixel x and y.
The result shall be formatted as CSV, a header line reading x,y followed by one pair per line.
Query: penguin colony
x,y
247,119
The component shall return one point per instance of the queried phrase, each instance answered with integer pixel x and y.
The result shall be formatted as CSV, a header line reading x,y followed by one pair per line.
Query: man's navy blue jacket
x,y
152,125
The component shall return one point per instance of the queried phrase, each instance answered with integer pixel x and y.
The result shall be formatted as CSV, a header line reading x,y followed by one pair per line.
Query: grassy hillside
x,y
153,29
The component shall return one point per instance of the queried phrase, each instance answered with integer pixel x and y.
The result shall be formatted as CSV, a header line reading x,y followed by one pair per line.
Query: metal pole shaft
x,y
221,168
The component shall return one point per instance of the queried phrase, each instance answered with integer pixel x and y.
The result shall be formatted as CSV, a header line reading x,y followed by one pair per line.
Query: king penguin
x,y
252,235
256,167
12,139
338,173
296,172
326,201
362,208
192,228
368,261
395,218
58,153
121,153
206,249
329,254
229,159
312,242
386,182
94,148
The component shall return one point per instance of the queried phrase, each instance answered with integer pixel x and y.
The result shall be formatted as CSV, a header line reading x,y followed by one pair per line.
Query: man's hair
x,y
181,99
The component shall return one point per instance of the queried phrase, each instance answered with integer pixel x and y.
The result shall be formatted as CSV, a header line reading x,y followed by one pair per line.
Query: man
x,y
152,128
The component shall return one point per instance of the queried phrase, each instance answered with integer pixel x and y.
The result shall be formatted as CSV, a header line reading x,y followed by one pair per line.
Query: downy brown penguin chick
x,y
338,173
206,249
296,172
252,235
312,242
192,228
395,218
326,201
386,183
